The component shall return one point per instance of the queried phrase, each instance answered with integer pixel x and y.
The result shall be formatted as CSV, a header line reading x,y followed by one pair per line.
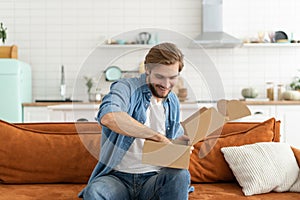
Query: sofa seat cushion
x,y
209,191
30,155
40,191
232,191
207,163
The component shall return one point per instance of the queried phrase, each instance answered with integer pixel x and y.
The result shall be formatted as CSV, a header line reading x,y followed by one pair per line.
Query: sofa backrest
x,y
62,152
48,152
231,127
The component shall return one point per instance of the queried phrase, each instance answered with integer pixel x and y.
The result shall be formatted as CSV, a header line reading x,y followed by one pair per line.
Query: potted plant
x,y
89,83
294,92
295,85
3,34
94,95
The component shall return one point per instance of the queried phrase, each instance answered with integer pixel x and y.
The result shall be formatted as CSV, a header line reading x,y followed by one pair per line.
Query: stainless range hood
x,y
212,35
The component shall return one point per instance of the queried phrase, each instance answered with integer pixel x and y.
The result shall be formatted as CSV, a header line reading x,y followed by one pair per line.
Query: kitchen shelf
x,y
271,45
124,46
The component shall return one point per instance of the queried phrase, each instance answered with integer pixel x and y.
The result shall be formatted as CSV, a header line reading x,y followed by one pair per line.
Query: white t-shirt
x,y
132,160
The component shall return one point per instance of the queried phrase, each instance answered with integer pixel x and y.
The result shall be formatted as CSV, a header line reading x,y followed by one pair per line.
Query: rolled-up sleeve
x,y
117,100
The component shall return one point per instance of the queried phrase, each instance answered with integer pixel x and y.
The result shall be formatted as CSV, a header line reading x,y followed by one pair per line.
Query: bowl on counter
x,y
292,95
249,92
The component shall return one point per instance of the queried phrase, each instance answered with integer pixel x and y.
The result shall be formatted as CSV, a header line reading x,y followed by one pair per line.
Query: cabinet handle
x,y
82,120
258,113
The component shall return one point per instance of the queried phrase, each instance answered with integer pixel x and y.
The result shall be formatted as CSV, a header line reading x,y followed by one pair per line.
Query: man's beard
x,y
155,93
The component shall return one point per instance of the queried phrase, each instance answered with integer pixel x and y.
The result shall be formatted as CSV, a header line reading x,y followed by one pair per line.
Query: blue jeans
x,y
167,184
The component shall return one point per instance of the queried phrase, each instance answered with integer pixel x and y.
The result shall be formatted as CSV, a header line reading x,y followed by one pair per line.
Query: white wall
x,y
52,33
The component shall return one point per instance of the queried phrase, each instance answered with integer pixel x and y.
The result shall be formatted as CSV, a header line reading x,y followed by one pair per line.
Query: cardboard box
x,y
197,126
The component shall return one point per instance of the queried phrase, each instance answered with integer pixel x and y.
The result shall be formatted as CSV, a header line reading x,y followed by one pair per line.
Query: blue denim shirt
x,y
133,97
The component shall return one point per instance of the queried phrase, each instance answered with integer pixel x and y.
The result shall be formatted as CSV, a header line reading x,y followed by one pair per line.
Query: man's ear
x,y
147,71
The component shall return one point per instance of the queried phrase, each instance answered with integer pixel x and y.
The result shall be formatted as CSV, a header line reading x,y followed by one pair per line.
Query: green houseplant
x,y
89,83
295,85
3,33
93,93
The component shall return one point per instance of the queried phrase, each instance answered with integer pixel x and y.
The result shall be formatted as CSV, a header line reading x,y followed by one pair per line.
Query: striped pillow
x,y
263,167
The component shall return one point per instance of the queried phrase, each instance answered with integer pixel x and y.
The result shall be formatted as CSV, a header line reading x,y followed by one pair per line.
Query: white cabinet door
x,y
187,110
73,112
35,114
290,118
60,113
265,110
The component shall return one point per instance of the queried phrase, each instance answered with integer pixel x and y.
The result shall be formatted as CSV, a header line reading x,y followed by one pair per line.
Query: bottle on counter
x,y
62,84
270,91
280,90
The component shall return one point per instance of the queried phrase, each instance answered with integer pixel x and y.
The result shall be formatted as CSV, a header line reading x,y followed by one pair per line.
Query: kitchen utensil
x,y
144,38
120,41
271,36
113,73
281,36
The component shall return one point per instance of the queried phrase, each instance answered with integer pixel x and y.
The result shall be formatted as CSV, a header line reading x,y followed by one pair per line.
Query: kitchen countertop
x,y
56,103
187,102
283,102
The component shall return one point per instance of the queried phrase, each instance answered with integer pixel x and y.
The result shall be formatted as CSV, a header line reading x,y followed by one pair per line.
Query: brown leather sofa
x,y
54,160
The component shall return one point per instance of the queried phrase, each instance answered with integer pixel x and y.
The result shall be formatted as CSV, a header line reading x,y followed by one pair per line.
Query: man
x,y
134,110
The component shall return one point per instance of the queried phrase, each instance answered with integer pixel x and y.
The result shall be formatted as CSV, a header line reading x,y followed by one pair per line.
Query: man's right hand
x,y
160,138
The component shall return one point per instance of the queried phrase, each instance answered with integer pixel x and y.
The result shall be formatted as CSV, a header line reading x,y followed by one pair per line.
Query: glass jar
x,y
280,90
270,90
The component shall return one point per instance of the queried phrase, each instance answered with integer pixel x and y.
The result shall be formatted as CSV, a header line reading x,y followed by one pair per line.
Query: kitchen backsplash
x,y
52,33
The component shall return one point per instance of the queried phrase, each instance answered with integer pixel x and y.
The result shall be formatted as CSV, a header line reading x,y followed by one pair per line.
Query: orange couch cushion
x,y
232,191
207,163
41,156
297,154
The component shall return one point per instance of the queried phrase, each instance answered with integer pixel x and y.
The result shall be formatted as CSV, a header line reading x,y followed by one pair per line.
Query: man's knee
x,y
177,175
92,191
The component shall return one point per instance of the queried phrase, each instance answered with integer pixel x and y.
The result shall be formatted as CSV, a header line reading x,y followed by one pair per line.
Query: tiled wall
x,y
52,33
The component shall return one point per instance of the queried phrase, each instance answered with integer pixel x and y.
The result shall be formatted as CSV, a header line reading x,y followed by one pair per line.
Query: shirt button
x,y
168,128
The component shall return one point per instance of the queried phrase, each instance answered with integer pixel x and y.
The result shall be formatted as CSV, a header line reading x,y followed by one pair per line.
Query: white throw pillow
x,y
262,167
296,186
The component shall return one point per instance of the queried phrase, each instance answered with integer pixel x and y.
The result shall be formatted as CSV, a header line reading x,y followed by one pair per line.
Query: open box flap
x,y
202,123
233,109
207,120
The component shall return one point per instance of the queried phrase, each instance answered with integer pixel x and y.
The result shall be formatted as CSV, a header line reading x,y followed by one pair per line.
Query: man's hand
x,y
160,138
184,139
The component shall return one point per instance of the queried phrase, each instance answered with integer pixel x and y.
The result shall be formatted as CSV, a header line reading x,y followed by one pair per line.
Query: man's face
x,y
162,79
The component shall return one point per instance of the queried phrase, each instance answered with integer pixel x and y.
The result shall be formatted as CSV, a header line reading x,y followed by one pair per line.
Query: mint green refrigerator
x,y
15,89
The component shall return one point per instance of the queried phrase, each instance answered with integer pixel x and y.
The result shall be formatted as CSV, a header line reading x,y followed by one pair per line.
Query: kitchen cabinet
x,y
271,45
68,112
82,111
73,112
289,116
287,112
263,110
35,114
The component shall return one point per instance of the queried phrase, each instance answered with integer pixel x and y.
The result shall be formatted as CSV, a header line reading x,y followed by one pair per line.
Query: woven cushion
x,y
263,167
42,156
